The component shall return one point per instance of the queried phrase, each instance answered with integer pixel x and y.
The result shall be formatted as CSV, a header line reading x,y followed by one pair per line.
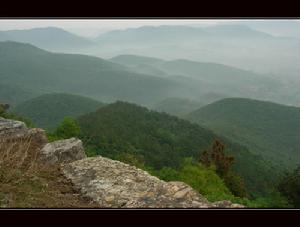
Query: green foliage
x,y
205,180
236,184
48,110
8,115
90,152
208,183
273,200
290,187
131,159
68,128
223,164
167,174
162,140
267,129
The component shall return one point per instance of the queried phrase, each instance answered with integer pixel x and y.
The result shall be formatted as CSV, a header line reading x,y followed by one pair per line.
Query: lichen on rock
x,y
62,151
114,184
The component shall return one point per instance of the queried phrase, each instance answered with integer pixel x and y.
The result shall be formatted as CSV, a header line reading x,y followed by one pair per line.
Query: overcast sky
x,y
90,27
94,27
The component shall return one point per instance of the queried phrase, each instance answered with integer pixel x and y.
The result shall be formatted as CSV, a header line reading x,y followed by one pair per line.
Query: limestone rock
x,y
107,182
38,136
12,129
115,184
62,151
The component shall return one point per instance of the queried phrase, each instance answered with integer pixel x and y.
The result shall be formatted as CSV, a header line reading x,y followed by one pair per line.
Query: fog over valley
x,y
213,103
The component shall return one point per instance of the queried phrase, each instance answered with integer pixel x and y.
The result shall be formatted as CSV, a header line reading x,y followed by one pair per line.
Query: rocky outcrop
x,y
12,129
114,184
109,183
62,151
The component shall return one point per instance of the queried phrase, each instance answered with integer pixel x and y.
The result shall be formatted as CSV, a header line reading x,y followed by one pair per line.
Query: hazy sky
x,y
94,27
90,27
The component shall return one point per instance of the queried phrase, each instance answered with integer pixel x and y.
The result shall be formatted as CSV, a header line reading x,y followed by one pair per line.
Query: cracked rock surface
x,y
62,151
113,184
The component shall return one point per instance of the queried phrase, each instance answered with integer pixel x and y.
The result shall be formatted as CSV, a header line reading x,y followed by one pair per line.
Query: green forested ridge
x,y
163,141
266,128
48,110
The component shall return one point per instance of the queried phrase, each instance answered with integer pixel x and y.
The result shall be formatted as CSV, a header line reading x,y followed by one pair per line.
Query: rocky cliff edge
x,y
108,183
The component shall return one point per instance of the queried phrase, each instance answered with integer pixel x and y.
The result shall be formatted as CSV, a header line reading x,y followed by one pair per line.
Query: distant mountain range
x,y
32,68
177,106
50,38
167,33
236,45
265,128
123,77
207,77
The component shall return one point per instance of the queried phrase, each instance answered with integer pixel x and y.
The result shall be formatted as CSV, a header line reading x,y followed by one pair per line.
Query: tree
x,y
236,184
217,157
67,129
290,187
223,164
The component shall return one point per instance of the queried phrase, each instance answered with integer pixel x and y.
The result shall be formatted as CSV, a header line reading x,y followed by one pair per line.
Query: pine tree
x,y
223,164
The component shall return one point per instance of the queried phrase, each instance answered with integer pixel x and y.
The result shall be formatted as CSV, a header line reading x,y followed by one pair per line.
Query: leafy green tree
x,y
168,174
205,180
67,129
290,187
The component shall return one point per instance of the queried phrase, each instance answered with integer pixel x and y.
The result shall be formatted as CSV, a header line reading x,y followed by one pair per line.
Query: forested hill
x,y
34,69
47,111
161,140
266,128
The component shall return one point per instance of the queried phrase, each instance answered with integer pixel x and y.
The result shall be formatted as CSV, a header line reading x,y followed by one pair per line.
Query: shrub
x,y
67,129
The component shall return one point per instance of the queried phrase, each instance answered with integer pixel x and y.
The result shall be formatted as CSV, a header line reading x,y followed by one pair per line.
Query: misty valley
x,y
215,108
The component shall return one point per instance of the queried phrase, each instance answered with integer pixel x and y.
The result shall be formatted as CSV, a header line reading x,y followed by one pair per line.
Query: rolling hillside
x,y
32,68
266,128
205,77
47,111
14,94
162,140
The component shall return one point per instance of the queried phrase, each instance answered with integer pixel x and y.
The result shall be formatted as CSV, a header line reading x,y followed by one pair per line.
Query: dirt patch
x,y
39,189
